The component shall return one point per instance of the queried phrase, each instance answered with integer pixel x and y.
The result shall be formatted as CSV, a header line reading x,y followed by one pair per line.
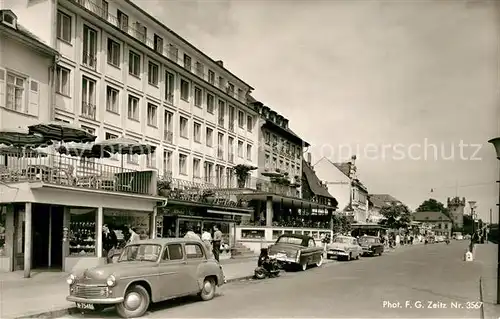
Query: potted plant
x,y
209,196
163,187
241,171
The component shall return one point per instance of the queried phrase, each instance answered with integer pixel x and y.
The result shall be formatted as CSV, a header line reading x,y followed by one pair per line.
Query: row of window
x,y
286,166
114,54
89,98
281,145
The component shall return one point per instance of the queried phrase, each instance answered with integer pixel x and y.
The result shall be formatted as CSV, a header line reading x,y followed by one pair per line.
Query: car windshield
x,y
140,252
290,240
368,240
342,240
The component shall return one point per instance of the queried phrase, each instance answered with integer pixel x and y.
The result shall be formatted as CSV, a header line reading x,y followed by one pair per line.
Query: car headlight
x,y
71,279
111,281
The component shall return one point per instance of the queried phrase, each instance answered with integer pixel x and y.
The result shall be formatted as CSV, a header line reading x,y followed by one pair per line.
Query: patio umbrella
x,y
63,132
81,150
20,138
123,145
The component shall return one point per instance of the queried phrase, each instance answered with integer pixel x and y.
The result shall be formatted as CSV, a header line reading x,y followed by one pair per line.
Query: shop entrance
x,y
47,224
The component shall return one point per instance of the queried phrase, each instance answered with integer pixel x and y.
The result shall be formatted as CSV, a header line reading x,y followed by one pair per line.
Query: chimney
x,y
220,63
309,158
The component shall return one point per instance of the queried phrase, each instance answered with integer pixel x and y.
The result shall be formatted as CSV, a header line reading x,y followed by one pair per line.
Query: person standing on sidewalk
x,y
206,237
216,242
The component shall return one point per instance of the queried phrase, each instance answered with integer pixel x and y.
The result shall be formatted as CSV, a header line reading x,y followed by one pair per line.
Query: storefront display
x,y
121,222
82,233
253,234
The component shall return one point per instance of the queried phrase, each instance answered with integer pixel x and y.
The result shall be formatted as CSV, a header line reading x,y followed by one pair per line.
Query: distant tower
x,y
456,207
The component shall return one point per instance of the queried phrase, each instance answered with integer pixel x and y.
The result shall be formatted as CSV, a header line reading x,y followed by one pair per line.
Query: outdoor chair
x,y
127,186
88,181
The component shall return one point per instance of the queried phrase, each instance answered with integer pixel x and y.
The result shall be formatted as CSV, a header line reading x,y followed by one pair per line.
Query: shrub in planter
x,y
163,187
241,171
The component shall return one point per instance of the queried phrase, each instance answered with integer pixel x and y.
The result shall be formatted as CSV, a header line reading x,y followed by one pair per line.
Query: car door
x,y
355,248
195,258
172,271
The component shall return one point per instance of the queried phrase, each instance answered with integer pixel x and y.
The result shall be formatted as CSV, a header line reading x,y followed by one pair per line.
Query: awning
x,y
289,201
227,213
177,202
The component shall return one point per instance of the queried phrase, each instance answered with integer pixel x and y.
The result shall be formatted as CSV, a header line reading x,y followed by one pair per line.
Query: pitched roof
x,y
381,200
344,167
430,217
313,181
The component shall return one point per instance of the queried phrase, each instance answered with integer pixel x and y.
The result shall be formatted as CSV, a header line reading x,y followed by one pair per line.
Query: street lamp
x,y
472,204
496,144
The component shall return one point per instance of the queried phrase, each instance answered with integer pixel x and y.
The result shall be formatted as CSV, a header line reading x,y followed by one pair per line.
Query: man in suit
x,y
109,242
217,242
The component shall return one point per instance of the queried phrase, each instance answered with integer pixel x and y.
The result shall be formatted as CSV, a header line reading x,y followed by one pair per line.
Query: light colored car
x,y
344,247
148,271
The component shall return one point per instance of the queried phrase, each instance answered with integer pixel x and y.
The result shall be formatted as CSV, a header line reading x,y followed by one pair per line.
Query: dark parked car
x,y
294,249
371,245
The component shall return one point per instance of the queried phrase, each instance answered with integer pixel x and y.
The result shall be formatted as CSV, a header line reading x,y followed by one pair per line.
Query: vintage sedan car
x,y
371,245
148,271
344,247
297,250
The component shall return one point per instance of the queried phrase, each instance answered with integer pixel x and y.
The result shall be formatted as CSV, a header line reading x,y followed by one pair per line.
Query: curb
x,y
57,313
481,297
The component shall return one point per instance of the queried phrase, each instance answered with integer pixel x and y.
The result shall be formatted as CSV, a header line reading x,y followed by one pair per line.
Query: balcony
x,y
89,60
88,110
76,173
168,136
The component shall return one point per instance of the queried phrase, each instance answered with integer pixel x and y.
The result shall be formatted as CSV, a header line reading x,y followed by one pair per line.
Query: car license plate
x,y
279,255
88,306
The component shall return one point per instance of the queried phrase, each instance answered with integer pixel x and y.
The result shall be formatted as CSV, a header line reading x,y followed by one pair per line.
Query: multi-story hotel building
x,y
124,73
119,72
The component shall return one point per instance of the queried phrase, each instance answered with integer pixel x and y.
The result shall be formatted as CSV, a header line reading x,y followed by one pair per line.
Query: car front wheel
x,y
208,289
135,303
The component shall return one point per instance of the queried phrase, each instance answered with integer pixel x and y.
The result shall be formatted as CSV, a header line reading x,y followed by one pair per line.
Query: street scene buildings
x,y
112,123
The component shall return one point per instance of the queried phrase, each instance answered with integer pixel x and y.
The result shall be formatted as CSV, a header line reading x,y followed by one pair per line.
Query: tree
x,y
341,224
241,171
432,205
396,215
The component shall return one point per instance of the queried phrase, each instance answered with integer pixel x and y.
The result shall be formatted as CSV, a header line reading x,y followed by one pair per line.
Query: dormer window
x,y
9,18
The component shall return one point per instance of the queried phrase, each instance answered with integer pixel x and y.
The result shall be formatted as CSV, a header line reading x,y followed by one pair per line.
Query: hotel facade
x,y
120,72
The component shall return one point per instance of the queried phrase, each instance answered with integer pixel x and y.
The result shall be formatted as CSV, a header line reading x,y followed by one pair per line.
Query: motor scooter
x,y
266,267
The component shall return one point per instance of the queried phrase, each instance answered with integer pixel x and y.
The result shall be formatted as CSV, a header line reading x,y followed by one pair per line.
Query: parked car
x,y
344,247
148,271
371,245
299,250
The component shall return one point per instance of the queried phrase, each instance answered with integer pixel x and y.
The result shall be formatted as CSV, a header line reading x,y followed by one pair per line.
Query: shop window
x,y
2,230
193,251
252,233
82,237
125,223
175,252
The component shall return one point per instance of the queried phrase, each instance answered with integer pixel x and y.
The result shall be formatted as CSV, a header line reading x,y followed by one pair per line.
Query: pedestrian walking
x,y
206,237
109,242
191,234
217,242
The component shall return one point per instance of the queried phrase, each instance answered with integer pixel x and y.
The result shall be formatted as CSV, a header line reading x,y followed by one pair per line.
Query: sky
x,y
382,80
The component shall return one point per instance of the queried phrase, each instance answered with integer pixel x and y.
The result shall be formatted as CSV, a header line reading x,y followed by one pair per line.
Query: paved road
x,y
392,285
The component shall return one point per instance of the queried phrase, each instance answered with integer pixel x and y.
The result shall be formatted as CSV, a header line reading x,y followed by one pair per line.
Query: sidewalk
x,y
486,257
44,295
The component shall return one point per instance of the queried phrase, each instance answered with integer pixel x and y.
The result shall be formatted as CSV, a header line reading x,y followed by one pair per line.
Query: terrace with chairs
x,y
75,172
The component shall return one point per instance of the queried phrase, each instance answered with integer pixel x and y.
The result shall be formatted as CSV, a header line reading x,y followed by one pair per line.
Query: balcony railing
x,y
168,136
89,60
169,52
74,172
88,110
